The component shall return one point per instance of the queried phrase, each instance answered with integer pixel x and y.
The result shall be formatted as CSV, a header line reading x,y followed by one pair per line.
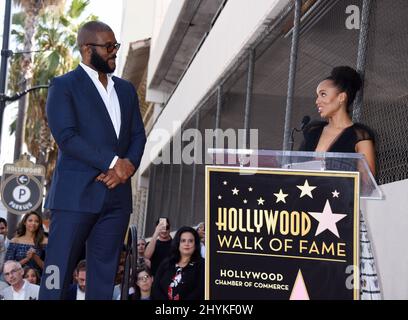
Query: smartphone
x,y
163,222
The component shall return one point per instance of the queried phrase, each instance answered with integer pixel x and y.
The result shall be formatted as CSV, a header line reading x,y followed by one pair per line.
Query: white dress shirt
x,y
20,295
109,97
80,294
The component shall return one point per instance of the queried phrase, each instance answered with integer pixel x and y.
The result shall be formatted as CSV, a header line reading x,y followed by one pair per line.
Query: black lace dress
x,y
346,142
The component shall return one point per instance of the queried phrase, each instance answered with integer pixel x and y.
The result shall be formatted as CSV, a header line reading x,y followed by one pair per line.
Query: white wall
x,y
3,211
166,16
387,222
219,51
160,13
137,24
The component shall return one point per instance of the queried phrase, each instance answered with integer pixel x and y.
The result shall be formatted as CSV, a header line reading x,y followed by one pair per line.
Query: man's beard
x,y
99,64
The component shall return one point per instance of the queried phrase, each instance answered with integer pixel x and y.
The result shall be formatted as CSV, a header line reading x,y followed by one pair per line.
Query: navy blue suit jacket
x,y
83,130
72,292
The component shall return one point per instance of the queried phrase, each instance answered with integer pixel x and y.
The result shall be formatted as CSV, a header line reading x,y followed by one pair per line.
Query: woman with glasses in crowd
x,y
181,275
28,247
143,287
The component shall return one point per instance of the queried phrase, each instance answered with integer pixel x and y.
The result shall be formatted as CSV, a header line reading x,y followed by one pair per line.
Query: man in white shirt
x,y
19,289
96,122
77,290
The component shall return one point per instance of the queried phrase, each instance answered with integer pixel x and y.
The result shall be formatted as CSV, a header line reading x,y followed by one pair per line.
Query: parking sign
x,y
22,186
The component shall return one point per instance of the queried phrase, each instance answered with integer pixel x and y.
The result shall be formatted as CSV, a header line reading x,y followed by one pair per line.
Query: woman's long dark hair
x,y
175,244
39,235
37,274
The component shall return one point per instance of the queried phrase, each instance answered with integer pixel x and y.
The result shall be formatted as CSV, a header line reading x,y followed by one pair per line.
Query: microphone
x,y
303,124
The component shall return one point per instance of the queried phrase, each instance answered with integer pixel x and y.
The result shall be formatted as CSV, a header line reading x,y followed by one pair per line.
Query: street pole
x,y
12,219
5,54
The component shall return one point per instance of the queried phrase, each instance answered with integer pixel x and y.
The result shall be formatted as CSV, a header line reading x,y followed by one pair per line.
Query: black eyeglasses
x,y
110,47
12,272
143,278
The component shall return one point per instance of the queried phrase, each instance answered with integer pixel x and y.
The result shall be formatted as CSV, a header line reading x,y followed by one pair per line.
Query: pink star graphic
x,y
327,219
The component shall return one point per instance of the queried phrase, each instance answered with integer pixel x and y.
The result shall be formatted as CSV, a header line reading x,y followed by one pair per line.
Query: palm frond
x,y
77,8
55,38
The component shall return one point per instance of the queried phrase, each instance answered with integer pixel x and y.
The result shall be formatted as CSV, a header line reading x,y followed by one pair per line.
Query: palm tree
x,y
32,10
55,37
56,53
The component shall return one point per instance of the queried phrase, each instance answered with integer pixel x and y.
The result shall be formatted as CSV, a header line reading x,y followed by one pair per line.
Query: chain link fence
x,y
326,41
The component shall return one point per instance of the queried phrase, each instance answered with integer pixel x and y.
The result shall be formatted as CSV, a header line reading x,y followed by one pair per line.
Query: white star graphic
x,y
280,196
327,219
220,197
250,189
245,201
306,190
261,201
235,191
335,194
225,183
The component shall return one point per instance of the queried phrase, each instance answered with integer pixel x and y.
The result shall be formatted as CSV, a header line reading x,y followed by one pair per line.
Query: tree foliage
x,y
55,53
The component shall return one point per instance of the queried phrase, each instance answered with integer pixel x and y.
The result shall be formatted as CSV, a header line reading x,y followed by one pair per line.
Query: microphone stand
x,y
305,121
292,138
291,144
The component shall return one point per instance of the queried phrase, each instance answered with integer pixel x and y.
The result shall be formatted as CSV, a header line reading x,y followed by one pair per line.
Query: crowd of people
x,y
168,268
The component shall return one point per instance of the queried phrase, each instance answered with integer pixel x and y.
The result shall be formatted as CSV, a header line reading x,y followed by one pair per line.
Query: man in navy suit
x,y
77,290
95,120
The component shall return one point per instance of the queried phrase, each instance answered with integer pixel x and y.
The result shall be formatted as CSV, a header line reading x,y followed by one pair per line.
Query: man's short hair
x,y
81,266
16,263
87,32
4,221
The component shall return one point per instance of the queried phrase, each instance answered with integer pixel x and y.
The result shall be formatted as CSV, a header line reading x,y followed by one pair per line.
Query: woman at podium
x,y
338,133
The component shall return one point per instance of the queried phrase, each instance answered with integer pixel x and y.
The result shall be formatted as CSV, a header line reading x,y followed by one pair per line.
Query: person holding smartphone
x,y
159,246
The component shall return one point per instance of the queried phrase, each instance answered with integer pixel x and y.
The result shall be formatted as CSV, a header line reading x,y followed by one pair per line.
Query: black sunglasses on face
x,y
110,47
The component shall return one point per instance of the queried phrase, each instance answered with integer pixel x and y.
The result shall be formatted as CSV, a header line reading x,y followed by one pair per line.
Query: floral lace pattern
x,y
172,290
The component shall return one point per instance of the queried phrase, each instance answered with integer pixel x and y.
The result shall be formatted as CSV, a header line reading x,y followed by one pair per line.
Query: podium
x,y
284,225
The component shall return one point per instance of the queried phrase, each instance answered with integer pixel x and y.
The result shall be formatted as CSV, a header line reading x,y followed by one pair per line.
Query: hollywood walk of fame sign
x,y
281,234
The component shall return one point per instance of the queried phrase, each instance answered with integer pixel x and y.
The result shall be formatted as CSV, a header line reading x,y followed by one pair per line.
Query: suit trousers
x,y
103,234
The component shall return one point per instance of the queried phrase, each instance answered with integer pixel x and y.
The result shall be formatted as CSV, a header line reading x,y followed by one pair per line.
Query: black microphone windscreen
x,y
305,121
